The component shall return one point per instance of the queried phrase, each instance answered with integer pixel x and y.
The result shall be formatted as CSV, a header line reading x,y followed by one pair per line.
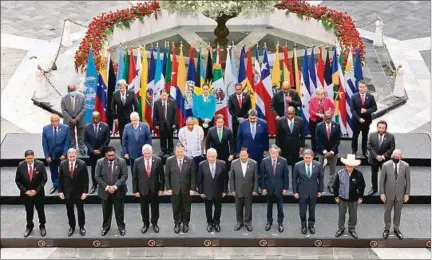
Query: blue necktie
x,y
253,131
291,126
55,135
212,170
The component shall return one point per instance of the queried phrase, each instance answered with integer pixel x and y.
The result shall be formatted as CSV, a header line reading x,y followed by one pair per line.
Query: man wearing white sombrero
x,y
348,186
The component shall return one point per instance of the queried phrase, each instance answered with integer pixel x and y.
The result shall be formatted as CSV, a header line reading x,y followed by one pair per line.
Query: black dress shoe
x,y
71,231
238,226
339,232
122,232
353,234
155,228
177,228
249,228
268,226
104,232
42,231
330,189
93,189
82,231
217,228
372,192
304,230
28,232
185,227
312,229
210,227
398,233
280,228
161,154
386,233
52,190
144,229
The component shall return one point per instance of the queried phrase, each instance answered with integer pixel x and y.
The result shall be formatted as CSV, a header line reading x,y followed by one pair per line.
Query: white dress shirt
x,y
244,167
328,126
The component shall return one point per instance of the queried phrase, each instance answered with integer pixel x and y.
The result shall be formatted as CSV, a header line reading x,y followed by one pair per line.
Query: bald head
x,y
95,117
286,86
291,112
328,116
71,87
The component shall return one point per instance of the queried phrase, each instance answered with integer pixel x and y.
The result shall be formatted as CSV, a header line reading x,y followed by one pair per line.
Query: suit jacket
x,y
328,144
39,179
256,146
225,147
55,147
369,104
305,187
290,142
234,107
277,106
120,111
180,181
76,186
278,181
77,113
141,182
315,107
374,148
212,188
120,175
133,146
243,185
98,142
158,113
393,188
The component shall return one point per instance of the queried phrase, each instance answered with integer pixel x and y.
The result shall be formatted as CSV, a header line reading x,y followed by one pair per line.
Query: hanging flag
x,y
137,80
190,110
126,67
180,89
328,83
200,74
305,92
286,68
143,86
174,88
148,115
250,79
358,70
209,69
296,73
101,104
320,69
266,94
164,62
231,89
132,72
276,72
350,90
340,107
258,86
168,71
111,88
90,85
312,74
120,67
230,80
219,91
158,79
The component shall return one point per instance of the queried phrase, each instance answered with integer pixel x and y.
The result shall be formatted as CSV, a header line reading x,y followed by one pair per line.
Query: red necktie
x,y
240,100
274,167
148,169
31,173
71,171
180,164
362,99
328,131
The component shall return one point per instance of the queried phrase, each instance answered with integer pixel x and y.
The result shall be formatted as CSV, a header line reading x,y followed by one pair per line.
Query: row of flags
x,y
147,76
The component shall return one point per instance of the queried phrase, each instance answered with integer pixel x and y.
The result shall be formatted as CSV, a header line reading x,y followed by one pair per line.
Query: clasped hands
x,y
264,192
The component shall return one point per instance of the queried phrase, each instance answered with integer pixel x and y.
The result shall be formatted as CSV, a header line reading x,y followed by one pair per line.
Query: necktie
x,y
164,111
328,131
55,135
291,125
212,170
380,140
362,99
73,103
148,168
253,131
30,173
220,134
71,171
285,103
123,99
240,100
96,130
395,171
274,167
308,171
110,172
180,164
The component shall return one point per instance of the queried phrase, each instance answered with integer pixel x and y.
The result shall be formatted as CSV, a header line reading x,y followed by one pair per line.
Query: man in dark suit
x,y
148,183
55,144
136,134
180,184
239,104
243,182
362,106
111,176
31,178
275,175
73,188
165,120
283,99
221,139
380,147
328,135
290,136
308,185
96,138
123,103
213,186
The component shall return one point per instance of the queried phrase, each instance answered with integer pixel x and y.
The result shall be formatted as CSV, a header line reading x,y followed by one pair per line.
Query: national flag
x,y
137,80
174,88
126,67
235,77
340,107
220,91
305,92
90,85
242,69
143,87
287,74
250,79
168,70
265,92
328,83
230,80
256,70
276,72
111,88
101,104
320,69
120,67
159,78
218,56
190,109
295,71
150,89
132,72
180,91
200,74
350,89
358,70
209,69
342,94
164,63
312,74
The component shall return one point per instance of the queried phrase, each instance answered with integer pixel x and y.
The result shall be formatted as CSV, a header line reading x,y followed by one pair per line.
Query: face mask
x,y
395,160
73,93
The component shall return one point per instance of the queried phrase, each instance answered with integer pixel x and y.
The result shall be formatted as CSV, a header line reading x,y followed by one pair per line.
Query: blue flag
x,y
358,71
90,85
120,67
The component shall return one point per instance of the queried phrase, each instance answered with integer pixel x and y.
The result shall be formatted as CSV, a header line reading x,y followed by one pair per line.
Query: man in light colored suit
x,y
308,185
72,106
394,186
243,182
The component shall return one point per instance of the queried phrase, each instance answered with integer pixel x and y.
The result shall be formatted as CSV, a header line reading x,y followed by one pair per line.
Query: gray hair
x,y
190,118
72,150
212,151
308,151
147,147
274,147
134,115
397,151
319,90
122,82
252,112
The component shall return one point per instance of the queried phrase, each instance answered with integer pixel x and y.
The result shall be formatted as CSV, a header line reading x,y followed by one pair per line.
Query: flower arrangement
x,y
103,25
341,23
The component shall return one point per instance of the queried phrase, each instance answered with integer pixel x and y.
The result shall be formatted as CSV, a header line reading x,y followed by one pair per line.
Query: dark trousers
x,y
197,160
244,206
70,202
121,125
292,159
374,174
364,128
34,202
304,204
54,165
92,161
107,209
352,211
279,202
131,162
210,124
181,205
166,137
235,125
213,219
146,200
312,127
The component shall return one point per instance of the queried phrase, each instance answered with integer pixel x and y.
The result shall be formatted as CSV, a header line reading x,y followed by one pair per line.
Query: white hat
x,y
351,160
